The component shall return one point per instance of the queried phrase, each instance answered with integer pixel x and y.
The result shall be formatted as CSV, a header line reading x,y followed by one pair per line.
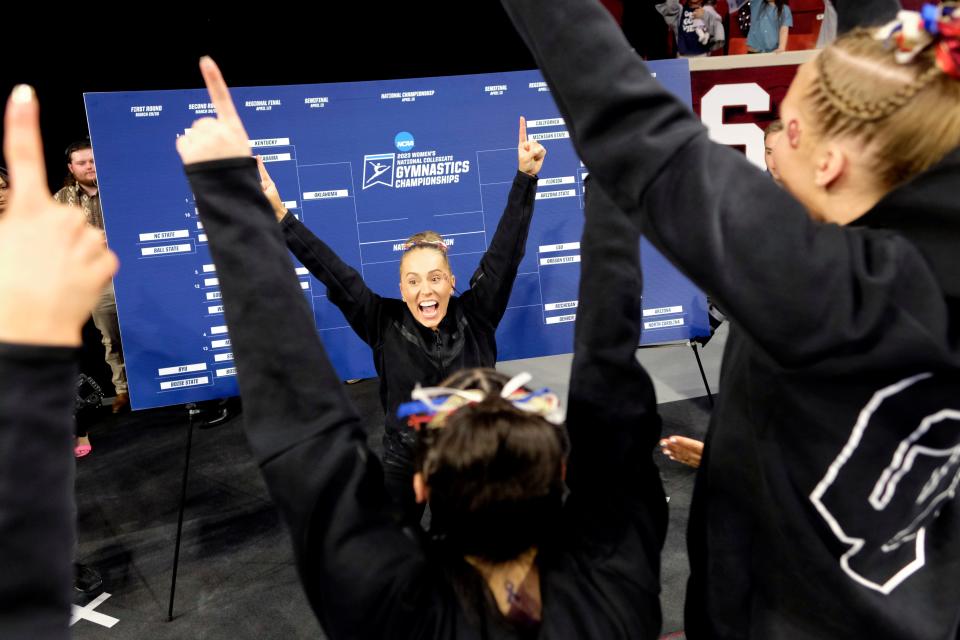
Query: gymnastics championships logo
x,y
408,168
378,169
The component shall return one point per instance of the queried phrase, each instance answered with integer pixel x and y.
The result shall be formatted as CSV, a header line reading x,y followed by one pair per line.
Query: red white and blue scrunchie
x,y
431,406
934,25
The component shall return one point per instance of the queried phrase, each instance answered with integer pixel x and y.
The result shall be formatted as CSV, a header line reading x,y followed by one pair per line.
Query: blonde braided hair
x,y
906,113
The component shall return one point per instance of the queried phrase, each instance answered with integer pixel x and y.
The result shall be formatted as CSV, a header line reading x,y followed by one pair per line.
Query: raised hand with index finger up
x,y
530,153
215,138
53,266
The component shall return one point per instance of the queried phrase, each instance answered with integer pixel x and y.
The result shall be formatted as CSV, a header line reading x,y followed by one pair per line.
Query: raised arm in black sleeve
x,y
361,572
615,488
493,280
707,209
345,287
37,515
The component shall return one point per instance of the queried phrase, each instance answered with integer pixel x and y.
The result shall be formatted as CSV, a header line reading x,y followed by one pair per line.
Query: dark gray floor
x,y
236,577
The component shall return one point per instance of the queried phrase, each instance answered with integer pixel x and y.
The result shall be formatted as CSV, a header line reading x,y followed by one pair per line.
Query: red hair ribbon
x,y
948,49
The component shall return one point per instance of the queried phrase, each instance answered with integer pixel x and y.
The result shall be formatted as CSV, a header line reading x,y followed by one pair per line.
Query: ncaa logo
x,y
404,141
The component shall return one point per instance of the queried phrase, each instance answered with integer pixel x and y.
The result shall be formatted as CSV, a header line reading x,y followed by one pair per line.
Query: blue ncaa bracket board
x,y
364,165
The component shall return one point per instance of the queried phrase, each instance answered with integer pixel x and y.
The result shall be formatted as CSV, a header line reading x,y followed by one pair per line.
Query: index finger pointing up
x,y
264,176
219,92
23,148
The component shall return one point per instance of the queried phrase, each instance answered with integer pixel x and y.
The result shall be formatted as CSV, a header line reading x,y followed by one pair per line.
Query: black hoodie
x,y
825,506
365,575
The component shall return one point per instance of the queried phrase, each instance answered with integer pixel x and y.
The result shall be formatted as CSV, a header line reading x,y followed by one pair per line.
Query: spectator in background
x,y
697,27
81,190
723,8
828,27
770,137
770,22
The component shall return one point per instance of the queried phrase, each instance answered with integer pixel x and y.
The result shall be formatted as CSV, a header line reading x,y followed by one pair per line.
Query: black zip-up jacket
x,y
404,351
825,506
365,575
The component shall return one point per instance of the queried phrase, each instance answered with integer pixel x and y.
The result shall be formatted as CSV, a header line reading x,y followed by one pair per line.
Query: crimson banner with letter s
x,y
738,96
